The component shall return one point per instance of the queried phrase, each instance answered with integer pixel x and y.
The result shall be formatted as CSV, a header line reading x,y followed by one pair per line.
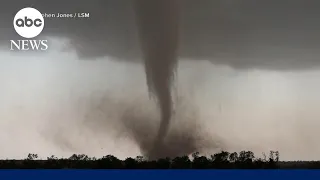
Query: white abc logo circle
x,y
28,22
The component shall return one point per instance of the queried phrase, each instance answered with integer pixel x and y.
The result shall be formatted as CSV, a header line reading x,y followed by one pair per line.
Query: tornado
x,y
158,27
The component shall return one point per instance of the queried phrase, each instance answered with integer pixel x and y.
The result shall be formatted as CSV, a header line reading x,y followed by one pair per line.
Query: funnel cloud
x,y
158,26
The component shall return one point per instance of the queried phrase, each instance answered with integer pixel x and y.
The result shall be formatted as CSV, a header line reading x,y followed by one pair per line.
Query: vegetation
x,y
222,160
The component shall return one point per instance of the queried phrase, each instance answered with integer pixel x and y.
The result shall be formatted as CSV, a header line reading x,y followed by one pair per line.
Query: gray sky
x,y
269,34
53,103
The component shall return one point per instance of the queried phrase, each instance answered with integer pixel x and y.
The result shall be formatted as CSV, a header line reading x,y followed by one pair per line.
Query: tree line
x,y
222,160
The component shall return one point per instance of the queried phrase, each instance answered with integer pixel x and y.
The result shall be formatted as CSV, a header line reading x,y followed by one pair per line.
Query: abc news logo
x,y
28,23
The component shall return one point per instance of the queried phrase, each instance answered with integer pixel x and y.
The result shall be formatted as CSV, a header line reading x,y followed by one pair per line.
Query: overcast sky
x,y
268,34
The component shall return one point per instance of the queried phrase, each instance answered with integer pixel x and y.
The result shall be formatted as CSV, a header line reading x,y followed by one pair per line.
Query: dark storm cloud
x,y
273,34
